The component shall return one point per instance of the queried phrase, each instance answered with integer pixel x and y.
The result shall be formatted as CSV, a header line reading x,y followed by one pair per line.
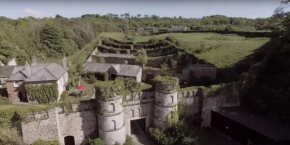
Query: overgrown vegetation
x,y
45,142
42,93
179,129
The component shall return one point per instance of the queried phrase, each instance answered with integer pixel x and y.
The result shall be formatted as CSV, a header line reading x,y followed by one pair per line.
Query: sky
x,y
185,8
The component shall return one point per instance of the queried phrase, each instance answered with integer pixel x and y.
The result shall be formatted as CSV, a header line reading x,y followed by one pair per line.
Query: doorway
x,y
138,126
113,76
69,140
138,129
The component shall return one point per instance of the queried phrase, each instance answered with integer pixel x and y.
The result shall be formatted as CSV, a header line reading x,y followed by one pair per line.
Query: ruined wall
x,y
191,100
56,125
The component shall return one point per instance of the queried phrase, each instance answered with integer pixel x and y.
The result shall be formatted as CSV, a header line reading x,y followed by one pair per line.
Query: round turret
x,y
111,122
165,99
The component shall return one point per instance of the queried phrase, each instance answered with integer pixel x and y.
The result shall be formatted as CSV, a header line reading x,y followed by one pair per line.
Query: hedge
x,y
42,93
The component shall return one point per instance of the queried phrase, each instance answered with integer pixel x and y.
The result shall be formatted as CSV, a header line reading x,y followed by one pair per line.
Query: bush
x,y
97,141
44,142
64,95
4,101
92,79
11,137
128,141
230,28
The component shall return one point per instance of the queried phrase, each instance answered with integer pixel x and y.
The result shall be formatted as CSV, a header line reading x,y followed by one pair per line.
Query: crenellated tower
x,y
110,117
165,99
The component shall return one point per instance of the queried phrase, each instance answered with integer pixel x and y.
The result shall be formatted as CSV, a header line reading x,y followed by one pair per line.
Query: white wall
x,y
61,84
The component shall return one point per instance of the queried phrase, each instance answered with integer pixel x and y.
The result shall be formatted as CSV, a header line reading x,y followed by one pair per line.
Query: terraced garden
x,y
221,50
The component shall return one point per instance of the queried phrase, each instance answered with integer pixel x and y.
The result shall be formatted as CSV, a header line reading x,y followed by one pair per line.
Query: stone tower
x,y
165,99
111,120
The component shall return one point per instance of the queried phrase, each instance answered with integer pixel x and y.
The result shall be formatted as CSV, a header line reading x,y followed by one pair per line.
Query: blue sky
x,y
170,8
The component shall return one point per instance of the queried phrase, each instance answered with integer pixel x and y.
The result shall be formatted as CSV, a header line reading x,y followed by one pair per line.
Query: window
x,y
16,84
132,113
111,107
114,124
172,99
139,111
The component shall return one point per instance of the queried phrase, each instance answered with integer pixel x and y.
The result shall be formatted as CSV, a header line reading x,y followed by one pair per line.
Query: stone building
x,y
112,119
198,71
115,70
37,74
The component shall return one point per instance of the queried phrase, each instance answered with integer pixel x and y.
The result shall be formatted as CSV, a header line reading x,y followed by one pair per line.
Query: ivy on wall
x,y
42,93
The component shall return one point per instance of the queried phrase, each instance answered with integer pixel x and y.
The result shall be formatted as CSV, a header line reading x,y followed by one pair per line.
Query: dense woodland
x,y
55,37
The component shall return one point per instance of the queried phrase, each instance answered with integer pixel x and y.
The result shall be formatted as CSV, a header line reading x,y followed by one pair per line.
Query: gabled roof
x,y
44,72
122,69
6,71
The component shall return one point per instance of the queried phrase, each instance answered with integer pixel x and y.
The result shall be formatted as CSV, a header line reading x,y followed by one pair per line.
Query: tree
x,y
142,57
138,15
51,37
229,28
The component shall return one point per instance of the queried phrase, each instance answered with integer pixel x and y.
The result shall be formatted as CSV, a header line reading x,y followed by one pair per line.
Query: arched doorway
x,y
69,140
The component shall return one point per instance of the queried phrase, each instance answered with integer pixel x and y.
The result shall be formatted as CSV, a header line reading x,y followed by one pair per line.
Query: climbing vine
x,y
42,93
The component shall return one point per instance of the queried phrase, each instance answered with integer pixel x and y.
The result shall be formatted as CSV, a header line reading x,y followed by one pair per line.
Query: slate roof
x,y
266,126
44,72
122,69
117,55
6,71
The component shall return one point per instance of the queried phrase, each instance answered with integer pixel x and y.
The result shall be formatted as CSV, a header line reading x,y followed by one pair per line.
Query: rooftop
x,y
43,72
122,69
271,128
6,71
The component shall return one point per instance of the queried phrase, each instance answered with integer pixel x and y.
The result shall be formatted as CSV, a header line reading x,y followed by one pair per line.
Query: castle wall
x,y
56,125
80,125
47,129
138,106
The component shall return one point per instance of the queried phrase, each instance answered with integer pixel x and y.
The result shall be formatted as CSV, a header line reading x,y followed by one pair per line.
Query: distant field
x,y
222,50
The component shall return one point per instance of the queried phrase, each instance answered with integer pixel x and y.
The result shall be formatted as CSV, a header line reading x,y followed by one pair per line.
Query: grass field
x,y
222,50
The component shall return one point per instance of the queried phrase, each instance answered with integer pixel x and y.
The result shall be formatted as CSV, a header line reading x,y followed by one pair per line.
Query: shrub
x,y
230,28
128,141
11,137
64,95
92,79
4,101
44,142
97,141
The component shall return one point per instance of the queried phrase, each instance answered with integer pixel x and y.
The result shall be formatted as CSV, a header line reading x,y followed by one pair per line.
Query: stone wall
x,y
47,129
228,96
81,124
56,125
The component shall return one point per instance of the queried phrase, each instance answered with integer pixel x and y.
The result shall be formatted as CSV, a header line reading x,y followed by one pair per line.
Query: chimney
x,y
27,68
33,60
64,62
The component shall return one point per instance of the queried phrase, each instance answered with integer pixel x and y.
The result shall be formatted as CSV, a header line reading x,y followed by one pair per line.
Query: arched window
x,y
114,125
139,111
172,99
112,107
132,112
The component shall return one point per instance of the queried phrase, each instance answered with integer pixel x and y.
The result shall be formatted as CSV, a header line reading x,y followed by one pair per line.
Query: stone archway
x,y
69,140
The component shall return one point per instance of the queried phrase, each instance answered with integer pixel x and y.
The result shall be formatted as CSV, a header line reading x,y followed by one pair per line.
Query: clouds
x,y
33,13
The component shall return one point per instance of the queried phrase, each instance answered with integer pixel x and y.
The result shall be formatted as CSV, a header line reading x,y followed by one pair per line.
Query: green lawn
x,y
222,50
